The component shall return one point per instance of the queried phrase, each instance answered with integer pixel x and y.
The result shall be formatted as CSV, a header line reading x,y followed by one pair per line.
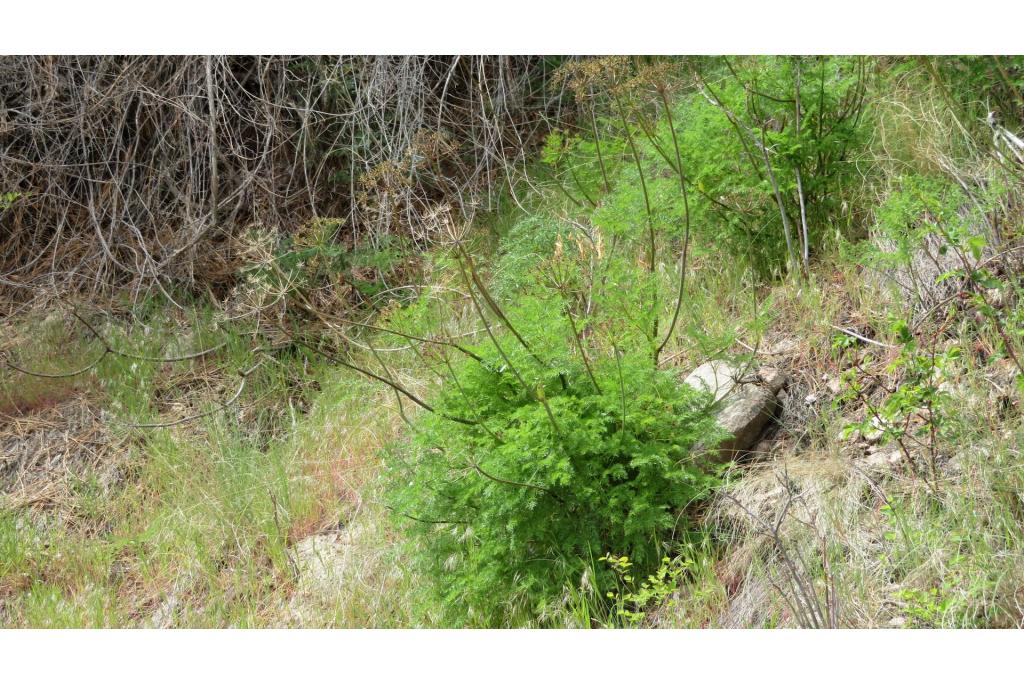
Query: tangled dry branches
x,y
133,171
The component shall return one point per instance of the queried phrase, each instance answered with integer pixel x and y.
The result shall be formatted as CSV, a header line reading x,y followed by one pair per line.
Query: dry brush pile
x,y
137,171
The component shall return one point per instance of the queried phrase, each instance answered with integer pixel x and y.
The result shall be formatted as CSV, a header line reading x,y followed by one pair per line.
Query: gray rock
x,y
745,415
786,347
746,403
321,561
716,377
328,567
771,378
881,459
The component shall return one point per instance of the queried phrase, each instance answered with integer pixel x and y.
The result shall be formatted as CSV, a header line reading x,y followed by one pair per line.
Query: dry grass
x,y
204,523
850,511
48,447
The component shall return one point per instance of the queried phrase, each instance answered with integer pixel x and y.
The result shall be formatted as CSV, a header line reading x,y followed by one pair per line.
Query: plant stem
x,y
686,233
651,267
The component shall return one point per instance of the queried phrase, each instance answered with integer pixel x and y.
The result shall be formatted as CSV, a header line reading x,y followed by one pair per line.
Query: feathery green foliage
x,y
508,510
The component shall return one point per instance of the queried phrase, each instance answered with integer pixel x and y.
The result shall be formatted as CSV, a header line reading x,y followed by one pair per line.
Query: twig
x,y
860,337
234,398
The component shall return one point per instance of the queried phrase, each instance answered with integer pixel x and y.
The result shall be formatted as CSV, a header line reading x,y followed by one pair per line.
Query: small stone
x,y
845,435
786,346
882,458
772,378
762,448
875,433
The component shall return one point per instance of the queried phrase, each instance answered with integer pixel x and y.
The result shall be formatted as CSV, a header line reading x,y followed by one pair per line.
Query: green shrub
x,y
553,468
8,199
522,249
631,601
919,207
978,84
718,121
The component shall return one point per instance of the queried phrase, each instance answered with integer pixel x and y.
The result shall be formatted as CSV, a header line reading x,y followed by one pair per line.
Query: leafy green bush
x,y
551,466
8,199
764,145
979,84
527,242
919,207
917,414
631,601
558,440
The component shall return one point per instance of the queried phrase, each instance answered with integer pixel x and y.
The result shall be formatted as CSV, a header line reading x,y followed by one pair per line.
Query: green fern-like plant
x,y
550,466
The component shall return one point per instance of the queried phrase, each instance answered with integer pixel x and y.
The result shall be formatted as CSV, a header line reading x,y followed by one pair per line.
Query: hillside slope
x,y
495,431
